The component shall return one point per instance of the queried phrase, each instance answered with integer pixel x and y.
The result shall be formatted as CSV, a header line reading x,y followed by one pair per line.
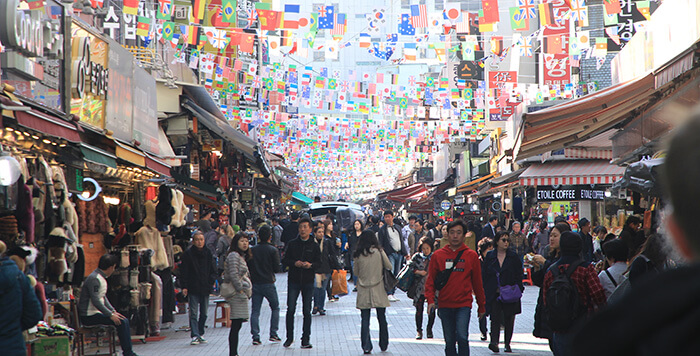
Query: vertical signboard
x,y
118,117
89,73
556,67
145,110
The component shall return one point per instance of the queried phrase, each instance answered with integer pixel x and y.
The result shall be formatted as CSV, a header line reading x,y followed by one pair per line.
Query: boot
x,y
419,335
429,334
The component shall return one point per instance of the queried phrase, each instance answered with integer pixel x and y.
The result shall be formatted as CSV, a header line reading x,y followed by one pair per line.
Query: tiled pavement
x,y
338,333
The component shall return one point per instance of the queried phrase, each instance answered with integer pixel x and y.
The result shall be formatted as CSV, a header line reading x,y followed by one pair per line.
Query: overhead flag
x,y
525,46
518,19
131,7
192,35
490,8
143,26
612,6
341,23
168,30
552,44
291,16
546,14
496,45
198,9
326,18
269,19
405,26
410,51
364,41
287,38
228,11
529,7
579,12
419,16
246,42
452,12
601,47
463,27
584,39
644,8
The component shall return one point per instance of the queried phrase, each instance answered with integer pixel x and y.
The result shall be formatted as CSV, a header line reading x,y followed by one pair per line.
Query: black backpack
x,y
564,305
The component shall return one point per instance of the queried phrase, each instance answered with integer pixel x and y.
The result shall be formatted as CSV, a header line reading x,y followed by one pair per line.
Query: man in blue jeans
x,y
302,256
455,298
263,266
198,272
390,239
94,307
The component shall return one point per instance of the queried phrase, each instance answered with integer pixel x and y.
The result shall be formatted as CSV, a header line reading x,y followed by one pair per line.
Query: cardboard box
x,y
52,346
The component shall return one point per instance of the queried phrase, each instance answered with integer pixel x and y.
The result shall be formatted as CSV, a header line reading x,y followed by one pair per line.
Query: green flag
x,y
168,30
228,11
518,19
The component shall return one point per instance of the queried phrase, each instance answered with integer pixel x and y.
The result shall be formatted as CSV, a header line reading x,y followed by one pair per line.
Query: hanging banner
x,y
89,73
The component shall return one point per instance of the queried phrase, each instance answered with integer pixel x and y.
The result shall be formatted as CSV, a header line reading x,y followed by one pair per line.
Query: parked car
x,y
343,214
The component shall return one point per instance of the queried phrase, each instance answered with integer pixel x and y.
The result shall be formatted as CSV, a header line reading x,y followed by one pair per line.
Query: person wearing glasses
x,y
502,267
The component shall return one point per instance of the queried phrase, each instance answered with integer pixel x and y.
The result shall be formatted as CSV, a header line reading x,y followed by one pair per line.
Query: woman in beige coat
x,y
370,259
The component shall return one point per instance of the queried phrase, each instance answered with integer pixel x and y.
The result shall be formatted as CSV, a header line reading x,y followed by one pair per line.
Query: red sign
x,y
502,77
556,68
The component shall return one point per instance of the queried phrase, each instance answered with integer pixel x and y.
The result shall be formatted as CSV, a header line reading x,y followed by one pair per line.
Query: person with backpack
x,y
572,291
615,252
503,285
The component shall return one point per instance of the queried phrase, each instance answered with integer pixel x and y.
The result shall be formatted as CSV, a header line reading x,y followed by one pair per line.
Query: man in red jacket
x,y
455,298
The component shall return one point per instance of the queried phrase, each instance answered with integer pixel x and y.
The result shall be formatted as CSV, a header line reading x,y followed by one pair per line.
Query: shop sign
x,y
33,41
89,76
145,110
445,205
567,193
118,118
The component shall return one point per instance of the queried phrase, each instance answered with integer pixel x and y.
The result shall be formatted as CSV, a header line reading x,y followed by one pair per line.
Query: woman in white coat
x,y
236,272
370,259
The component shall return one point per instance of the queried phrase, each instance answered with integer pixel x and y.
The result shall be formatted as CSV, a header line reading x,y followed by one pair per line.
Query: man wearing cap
x,y
584,231
584,277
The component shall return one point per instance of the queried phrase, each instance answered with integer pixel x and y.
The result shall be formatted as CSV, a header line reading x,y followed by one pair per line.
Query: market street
x,y
338,333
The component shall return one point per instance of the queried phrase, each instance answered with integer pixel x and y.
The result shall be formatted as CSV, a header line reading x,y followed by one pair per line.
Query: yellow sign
x,y
89,75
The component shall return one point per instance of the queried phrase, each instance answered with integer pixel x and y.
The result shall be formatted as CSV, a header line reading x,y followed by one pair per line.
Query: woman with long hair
x,y
653,257
335,251
419,266
541,265
485,246
323,270
236,272
370,259
502,267
353,236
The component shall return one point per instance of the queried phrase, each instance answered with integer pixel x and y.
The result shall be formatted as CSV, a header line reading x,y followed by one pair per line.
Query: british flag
x,y
525,46
528,7
579,10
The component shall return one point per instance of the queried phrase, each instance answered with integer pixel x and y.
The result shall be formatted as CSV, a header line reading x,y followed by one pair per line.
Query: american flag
x,y
340,24
419,16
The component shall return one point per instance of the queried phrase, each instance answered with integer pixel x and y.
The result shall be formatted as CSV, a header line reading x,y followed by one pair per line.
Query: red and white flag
x,y
419,16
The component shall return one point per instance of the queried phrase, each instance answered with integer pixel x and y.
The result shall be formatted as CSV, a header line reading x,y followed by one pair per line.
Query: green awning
x,y
96,155
302,198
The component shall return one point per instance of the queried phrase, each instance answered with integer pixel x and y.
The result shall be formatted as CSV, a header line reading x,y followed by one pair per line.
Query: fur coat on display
x,y
149,237
56,251
150,219
181,210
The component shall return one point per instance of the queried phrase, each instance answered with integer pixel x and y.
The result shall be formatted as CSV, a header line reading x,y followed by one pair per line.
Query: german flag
x,y
198,8
546,14
193,35
497,45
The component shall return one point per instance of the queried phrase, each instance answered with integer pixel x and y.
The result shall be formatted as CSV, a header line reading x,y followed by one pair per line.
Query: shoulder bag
x,y
509,293
444,275
226,289
389,279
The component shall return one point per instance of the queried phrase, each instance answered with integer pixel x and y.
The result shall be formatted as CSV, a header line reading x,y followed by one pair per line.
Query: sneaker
x,y
419,335
392,298
306,346
483,336
355,290
195,341
201,340
322,312
256,342
275,338
429,334
288,343
315,311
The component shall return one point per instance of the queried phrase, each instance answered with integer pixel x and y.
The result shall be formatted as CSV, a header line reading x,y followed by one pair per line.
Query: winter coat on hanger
x,y
164,209
149,237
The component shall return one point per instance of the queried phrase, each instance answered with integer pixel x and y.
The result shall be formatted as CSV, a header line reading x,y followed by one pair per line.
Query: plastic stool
x,y
225,318
528,276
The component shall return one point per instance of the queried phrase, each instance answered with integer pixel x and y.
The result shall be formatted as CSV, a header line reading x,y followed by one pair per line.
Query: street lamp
x,y
9,169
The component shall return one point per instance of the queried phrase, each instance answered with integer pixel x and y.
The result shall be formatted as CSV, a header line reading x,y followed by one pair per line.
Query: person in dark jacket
x,y
324,269
291,231
584,231
353,236
390,239
502,267
541,264
630,235
485,246
19,308
198,273
263,266
489,230
302,256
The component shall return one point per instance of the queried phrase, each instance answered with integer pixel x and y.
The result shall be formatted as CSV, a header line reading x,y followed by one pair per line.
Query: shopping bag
x,y
406,277
339,282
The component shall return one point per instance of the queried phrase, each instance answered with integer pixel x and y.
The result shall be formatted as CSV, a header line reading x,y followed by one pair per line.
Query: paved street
x,y
338,333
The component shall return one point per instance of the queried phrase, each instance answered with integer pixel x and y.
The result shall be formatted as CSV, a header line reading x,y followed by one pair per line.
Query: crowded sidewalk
x,y
338,332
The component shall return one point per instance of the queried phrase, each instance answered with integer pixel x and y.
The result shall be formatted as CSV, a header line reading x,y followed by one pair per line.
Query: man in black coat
x,y
630,235
302,256
291,231
390,239
489,229
197,276
584,231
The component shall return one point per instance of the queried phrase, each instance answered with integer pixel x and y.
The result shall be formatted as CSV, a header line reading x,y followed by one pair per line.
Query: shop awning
x,y
571,173
47,124
507,178
302,198
423,206
412,192
474,183
192,197
155,164
96,155
130,154
556,127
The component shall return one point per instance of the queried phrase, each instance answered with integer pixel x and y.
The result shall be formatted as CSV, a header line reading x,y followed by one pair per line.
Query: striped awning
x,y
584,153
571,173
